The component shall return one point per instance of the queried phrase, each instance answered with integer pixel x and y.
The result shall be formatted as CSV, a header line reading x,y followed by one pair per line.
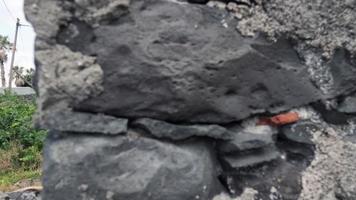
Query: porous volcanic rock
x,y
120,167
168,60
149,99
21,195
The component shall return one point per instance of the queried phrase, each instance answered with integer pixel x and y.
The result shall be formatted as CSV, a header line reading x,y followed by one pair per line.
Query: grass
x,y
20,143
8,180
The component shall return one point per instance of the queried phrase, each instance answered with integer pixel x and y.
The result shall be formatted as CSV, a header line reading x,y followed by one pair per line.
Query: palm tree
x,y
4,46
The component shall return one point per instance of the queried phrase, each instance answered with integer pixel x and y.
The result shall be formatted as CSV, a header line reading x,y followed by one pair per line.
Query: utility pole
x,y
13,54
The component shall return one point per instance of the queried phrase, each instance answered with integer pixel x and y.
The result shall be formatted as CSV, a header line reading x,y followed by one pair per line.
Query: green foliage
x,y
18,138
28,75
9,178
24,76
4,42
5,45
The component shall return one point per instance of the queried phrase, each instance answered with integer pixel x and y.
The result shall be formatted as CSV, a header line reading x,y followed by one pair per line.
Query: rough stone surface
x,y
173,61
126,86
246,139
331,175
83,122
275,173
24,195
161,129
346,188
348,105
20,195
326,24
86,166
301,132
66,77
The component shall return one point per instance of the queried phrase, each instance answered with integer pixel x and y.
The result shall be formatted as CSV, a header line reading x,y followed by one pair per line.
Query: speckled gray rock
x,y
104,65
301,131
161,129
183,72
24,195
20,195
324,24
348,105
346,188
331,175
248,140
119,167
173,61
63,120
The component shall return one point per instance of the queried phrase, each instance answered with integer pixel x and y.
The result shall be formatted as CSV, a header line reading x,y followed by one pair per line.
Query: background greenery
x,y
20,143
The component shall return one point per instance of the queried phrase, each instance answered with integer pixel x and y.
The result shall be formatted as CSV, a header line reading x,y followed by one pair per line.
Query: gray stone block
x,y
248,140
301,132
119,167
170,61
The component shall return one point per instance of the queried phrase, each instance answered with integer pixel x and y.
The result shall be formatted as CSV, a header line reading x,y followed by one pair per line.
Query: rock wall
x,y
182,100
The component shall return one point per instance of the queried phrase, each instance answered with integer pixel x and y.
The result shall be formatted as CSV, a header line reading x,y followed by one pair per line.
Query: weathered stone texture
x,y
178,62
121,167
163,99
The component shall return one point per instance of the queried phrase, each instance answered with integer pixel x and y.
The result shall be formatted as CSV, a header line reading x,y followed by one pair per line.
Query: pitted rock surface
x,y
138,168
20,195
161,99
245,139
178,62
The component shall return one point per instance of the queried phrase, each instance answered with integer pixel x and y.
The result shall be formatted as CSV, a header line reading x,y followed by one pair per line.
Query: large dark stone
x,y
101,65
178,62
173,61
118,167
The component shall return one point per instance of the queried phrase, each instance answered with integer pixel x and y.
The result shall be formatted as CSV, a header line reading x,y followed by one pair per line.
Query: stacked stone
x,y
155,99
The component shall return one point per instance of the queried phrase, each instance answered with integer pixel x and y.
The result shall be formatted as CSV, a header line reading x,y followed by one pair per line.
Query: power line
x,y
12,15
8,10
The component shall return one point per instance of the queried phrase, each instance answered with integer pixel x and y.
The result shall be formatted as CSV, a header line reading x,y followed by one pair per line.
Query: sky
x,y
25,48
